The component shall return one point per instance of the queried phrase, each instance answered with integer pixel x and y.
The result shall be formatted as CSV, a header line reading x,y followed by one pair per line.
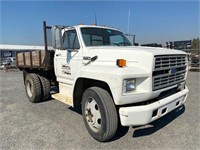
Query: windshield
x,y
103,37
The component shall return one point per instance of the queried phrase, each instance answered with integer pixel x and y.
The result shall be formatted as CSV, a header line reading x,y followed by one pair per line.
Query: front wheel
x,y
99,114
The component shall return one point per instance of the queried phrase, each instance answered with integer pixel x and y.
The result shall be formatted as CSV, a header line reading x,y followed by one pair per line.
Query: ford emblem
x,y
172,71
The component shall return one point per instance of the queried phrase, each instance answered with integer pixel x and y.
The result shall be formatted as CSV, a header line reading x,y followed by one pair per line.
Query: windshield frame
x,y
126,41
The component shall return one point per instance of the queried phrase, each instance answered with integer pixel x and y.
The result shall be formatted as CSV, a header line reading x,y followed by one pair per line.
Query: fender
x,y
112,75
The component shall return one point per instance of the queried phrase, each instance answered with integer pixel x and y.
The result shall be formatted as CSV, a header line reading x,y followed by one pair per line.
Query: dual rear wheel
x,y
37,87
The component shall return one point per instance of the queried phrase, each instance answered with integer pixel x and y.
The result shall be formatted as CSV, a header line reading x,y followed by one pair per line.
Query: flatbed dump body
x,y
39,59
42,59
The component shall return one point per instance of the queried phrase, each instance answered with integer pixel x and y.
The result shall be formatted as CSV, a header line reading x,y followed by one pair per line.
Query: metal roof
x,y
20,47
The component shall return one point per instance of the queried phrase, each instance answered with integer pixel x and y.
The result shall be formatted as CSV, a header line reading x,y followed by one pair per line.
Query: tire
x,y
46,88
33,88
99,114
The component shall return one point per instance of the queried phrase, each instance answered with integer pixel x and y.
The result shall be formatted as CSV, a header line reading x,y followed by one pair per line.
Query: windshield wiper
x,y
122,44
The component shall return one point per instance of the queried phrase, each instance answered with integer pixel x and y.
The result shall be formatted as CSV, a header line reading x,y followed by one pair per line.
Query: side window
x,y
116,39
70,40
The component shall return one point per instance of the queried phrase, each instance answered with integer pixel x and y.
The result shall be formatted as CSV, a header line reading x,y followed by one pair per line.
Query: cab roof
x,y
95,26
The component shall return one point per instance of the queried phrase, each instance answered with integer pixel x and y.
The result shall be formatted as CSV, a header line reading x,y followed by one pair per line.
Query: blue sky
x,y
151,21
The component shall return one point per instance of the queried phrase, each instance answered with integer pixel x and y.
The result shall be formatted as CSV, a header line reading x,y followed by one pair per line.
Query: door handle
x,y
58,54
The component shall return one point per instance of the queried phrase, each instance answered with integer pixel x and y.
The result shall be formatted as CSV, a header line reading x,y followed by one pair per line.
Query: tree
x,y
196,45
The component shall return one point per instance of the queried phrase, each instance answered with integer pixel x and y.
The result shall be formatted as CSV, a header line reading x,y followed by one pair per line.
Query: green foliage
x,y
196,44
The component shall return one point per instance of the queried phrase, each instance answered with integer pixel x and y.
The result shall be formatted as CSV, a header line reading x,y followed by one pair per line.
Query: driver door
x,y
68,61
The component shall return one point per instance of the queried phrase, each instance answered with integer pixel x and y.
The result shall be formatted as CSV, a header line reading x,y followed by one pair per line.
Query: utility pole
x,y
95,19
129,16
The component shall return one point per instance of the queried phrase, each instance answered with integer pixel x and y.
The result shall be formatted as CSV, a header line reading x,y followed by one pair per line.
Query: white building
x,y
7,51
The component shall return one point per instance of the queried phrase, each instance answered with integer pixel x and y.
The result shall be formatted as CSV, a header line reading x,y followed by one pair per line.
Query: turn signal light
x,y
121,62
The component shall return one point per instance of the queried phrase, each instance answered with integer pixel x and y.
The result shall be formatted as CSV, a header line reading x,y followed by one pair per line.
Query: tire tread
x,y
110,113
110,107
45,86
37,88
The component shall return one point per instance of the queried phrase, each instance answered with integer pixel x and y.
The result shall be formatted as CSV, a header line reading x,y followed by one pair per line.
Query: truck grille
x,y
168,70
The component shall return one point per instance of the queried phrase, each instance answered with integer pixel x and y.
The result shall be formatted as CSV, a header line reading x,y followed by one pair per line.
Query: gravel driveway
x,y
54,125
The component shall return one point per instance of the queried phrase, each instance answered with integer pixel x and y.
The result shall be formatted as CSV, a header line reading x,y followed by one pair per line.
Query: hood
x,y
151,50
134,55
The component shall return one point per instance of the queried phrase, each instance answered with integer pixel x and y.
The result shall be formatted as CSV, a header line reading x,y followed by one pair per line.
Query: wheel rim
x,y
92,114
29,89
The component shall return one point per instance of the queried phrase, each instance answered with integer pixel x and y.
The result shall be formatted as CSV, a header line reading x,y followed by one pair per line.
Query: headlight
x,y
129,85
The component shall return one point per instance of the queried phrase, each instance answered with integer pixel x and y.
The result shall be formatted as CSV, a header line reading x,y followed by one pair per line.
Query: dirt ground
x,y
54,125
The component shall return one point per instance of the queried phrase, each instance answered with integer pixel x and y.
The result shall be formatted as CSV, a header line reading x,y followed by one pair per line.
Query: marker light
x,y
121,62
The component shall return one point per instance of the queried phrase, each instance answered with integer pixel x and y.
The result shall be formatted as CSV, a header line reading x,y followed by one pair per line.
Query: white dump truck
x,y
115,82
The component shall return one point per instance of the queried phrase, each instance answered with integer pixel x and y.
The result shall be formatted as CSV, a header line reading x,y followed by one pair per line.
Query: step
x,y
63,98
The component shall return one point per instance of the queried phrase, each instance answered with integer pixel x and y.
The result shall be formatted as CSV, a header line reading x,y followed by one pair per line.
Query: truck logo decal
x,y
66,69
66,72
172,71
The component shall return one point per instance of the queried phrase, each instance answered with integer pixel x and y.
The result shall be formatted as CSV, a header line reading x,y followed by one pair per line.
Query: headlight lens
x,y
129,85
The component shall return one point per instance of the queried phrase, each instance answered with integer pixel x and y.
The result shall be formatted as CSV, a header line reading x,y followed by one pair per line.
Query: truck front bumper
x,y
141,115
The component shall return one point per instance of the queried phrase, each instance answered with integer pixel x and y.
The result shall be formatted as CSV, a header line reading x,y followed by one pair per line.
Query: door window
x,y
70,40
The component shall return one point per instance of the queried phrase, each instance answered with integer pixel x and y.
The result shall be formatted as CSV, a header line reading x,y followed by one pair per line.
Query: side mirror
x,y
56,37
131,38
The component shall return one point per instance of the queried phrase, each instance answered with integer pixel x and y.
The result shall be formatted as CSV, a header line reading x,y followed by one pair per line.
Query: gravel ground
x,y
54,125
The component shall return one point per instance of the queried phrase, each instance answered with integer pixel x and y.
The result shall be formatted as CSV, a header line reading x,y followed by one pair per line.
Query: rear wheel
x,y
33,88
99,114
45,85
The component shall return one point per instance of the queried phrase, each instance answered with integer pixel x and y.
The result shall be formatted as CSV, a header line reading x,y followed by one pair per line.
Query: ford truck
x,y
98,68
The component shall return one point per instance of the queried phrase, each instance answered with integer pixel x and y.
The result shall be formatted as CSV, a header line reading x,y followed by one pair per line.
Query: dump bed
x,y
39,59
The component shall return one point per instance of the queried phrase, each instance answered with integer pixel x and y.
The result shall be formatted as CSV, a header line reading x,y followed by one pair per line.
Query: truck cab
x,y
114,81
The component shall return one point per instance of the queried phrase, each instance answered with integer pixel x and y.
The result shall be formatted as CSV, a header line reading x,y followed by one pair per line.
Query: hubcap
x,y
92,113
29,89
